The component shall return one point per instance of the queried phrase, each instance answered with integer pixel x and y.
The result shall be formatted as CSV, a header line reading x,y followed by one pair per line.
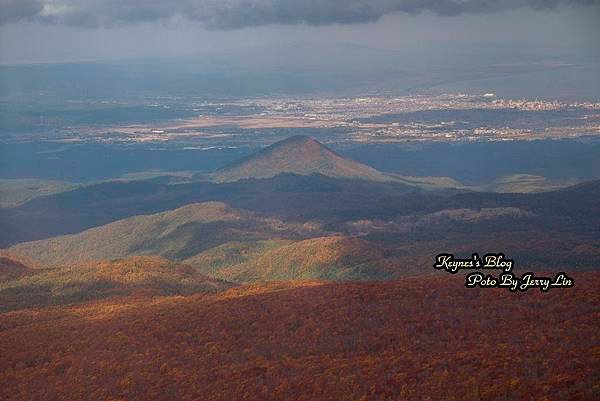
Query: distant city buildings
x,y
447,117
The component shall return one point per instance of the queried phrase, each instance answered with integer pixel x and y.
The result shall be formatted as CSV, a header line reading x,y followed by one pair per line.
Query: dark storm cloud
x,y
320,12
235,14
14,10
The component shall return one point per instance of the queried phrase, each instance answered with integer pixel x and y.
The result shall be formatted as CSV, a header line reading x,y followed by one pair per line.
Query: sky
x,y
41,31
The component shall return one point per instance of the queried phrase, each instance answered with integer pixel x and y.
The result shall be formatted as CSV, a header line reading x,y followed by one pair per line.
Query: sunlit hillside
x,y
142,275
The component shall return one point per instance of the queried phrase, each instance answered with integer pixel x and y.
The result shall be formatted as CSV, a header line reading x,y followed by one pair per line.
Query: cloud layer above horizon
x,y
237,14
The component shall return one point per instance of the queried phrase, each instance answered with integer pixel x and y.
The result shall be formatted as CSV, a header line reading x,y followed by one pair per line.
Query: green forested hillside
x,y
177,234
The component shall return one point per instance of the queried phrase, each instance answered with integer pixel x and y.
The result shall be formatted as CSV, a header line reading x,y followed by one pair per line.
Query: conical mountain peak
x,y
300,155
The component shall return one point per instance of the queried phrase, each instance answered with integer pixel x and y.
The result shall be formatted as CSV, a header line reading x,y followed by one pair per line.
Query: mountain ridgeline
x,y
292,207
222,242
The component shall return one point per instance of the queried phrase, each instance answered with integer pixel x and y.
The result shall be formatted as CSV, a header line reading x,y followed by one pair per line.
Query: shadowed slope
x,y
11,268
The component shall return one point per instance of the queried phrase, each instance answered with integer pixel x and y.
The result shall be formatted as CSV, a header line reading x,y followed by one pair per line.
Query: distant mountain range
x,y
298,210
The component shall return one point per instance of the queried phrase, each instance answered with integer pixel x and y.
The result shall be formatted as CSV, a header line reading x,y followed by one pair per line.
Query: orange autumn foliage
x,y
425,338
